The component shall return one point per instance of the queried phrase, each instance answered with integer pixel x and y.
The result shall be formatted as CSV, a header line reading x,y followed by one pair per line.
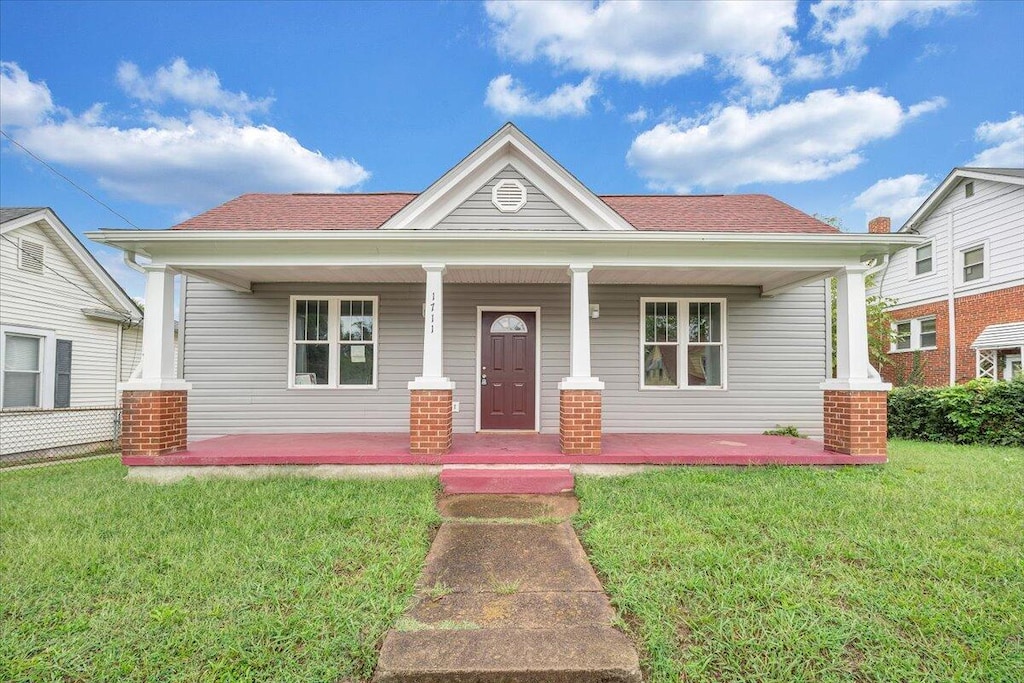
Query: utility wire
x,y
69,180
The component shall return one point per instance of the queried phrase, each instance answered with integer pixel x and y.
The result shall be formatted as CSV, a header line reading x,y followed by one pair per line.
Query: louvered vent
x,y
30,255
508,195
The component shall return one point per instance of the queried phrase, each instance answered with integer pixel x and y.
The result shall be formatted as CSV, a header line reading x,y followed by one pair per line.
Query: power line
x,y
78,187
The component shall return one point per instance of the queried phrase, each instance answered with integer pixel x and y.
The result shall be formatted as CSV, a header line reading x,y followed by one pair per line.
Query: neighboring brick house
x,y
959,311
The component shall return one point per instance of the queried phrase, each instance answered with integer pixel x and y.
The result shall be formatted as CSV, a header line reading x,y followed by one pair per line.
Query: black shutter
x,y
62,387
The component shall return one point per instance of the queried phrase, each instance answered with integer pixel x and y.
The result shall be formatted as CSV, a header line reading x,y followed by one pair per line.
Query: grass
x,y
912,571
273,580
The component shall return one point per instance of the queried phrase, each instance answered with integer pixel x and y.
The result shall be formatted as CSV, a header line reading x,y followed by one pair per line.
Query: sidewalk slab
x,y
525,610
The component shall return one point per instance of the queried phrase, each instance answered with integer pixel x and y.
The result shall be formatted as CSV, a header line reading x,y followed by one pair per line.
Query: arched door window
x,y
507,324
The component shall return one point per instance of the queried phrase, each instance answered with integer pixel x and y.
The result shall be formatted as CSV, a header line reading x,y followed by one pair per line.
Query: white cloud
x,y
22,102
638,116
1007,143
648,42
191,161
508,97
815,138
179,82
847,25
897,198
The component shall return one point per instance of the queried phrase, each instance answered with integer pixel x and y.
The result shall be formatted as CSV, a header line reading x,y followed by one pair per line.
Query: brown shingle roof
x,y
679,213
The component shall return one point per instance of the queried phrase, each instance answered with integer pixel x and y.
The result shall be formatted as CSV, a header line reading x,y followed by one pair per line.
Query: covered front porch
x,y
501,449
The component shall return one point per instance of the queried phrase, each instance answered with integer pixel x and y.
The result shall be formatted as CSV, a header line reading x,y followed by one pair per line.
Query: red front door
x,y
508,379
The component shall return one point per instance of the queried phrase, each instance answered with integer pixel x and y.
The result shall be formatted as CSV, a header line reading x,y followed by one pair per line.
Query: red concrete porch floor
x,y
503,449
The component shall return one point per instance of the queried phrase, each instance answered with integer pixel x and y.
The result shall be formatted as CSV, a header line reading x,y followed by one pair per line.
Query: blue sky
x,y
839,108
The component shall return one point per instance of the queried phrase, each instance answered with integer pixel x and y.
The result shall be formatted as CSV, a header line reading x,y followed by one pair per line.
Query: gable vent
x,y
508,195
30,255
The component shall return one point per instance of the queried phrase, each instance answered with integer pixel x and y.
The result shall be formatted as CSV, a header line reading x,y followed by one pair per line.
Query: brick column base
x,y
153,422
856,421
579,422
430,421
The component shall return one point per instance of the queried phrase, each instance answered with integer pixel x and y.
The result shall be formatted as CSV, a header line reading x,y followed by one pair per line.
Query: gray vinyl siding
x,y
478,213
236,355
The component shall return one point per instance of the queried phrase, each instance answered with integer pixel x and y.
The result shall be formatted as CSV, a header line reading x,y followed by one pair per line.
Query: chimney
x,y
880,226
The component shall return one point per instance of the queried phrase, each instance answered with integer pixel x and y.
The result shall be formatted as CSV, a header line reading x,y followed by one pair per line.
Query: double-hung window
x,y
27,361
973,263
334,342
914,335
923,260
682,343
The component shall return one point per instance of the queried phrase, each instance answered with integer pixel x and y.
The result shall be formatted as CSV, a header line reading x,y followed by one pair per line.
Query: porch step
x,y
506,480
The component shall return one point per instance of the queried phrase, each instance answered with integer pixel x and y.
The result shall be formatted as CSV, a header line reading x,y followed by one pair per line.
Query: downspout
x,y
129,260
950,301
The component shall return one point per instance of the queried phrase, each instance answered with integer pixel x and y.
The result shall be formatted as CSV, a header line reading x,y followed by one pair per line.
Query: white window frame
x,y
914,261
960,265
682,344
48,358
334,340
915,335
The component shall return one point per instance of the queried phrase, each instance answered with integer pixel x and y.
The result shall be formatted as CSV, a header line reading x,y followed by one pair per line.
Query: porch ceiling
x,y
766,278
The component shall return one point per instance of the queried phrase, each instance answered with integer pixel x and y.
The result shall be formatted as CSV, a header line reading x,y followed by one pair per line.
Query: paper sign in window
x,y
358,354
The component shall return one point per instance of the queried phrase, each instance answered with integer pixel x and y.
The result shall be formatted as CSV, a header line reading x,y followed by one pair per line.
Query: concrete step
x,y
505,480
582,654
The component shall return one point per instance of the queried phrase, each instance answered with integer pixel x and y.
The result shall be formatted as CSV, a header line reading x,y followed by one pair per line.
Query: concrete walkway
x,y
507,595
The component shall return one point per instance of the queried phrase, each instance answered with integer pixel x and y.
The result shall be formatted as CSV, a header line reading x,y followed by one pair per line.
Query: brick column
x,y
153,422
579,421
856,421
430,421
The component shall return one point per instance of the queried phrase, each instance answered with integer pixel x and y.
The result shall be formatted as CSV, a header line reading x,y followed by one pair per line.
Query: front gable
x,y
494,207
462,198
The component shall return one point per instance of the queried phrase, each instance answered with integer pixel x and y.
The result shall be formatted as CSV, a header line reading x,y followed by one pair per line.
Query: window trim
x,y
986,267
915,334
914,261
334,341
48,357
683,303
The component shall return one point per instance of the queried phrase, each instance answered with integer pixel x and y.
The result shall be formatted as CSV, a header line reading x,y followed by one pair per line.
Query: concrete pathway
x,y
507,595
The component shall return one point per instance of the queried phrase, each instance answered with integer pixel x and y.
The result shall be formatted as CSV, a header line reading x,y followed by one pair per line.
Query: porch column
x,y
855,402
579,424
154,406
430,395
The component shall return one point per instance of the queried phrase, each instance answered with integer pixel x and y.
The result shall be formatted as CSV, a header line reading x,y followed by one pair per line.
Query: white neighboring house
x,y
68,334
960,295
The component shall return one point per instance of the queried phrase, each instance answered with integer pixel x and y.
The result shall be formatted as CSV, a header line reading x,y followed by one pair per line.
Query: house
x,y
959,311
507,298
68,335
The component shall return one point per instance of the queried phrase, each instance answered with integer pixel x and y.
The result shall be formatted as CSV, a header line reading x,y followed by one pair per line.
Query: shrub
x,y
978,412
788,430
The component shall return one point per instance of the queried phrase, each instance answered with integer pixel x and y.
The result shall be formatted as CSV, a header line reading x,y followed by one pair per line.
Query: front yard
x,y
909,572
274,580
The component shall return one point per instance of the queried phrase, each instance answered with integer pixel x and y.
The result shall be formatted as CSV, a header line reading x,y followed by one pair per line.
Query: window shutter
x,y
62,388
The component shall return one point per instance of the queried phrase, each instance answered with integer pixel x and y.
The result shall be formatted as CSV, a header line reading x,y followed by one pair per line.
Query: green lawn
x,y
912,571
273,580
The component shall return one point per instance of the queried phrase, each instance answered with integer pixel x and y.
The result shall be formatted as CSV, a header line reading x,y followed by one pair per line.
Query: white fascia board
x,y
508,145
946,186
77,252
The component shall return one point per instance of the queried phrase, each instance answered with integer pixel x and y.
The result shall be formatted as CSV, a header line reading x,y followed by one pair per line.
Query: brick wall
x,y
579,422
975,313
153,422
856,422
430,421
936,362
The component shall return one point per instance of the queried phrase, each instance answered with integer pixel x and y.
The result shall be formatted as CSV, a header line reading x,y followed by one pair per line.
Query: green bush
x,y
978,412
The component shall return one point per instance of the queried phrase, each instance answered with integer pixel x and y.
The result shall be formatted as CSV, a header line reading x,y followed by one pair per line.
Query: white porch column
x,y
433,332
853,363
580,376
158,335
